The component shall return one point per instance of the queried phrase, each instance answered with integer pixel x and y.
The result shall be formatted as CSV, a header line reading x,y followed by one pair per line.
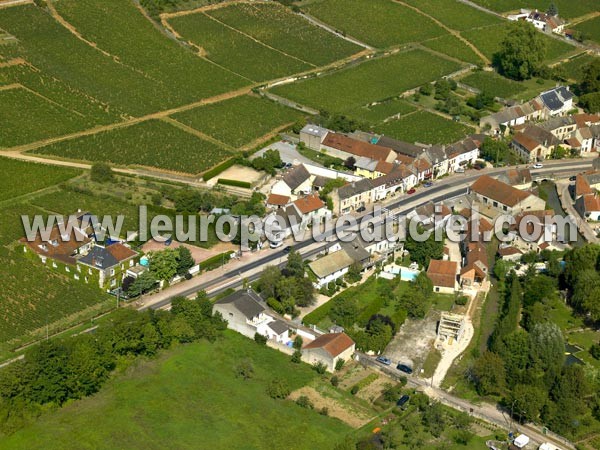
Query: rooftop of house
x,y
278,326
401,147
106,257
591,203
354,188
582,186
331,263
583,120
245,301
320,181
296,176
355,249
442,273
333,343
509,251
558,122
516,176
309,204
290,215
358,148
314,130
61,247
554,99
278,200
526,142
497,190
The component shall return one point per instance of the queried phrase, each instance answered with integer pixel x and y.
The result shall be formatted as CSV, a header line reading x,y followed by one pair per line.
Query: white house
x,y
331,267
295,182
557,101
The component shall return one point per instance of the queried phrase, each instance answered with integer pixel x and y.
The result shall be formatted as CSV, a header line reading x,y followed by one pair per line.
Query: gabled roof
x,y
516,176
508,251
59,247
296,176
333,343
355,188
331,263
278,326
245,301
106,257
278,200
442,273
582,186
355,250
555,99
558,122
401,147
584,120
526,142
356,147
591,202
309,204
499,191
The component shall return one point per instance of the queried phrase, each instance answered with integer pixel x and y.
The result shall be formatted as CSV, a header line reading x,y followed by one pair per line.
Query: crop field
x,y
378,113
494,84
488,41
222,411
20,177
380,23
575,67
27,117
240,120
235,51
378,80
454,14
455,48
567,9
590,29
11,225
152,143
278,27
425,127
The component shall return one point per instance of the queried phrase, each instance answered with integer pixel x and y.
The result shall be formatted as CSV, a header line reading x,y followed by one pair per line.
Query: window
x,y
112,272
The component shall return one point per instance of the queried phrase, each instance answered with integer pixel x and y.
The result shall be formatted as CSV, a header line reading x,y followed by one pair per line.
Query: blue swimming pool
x,y
408,274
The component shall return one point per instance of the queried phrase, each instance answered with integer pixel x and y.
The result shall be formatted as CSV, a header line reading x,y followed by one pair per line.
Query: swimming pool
x,y
407,274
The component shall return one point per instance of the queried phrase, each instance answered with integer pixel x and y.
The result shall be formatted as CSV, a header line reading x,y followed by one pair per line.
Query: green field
x,y
378,113
189,399
488,41
590,29
380,23
575,67
233,50
567,9
454,14
494,84
278,27
452,46
152,143
425,127
378,79
240,120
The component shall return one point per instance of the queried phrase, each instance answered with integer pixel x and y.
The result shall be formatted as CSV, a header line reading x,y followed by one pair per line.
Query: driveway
x,y
288,153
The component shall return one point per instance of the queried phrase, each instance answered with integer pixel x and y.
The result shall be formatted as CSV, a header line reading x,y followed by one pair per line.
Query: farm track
x,y
197,133
258,141
452,31
211,7
13,62
330,29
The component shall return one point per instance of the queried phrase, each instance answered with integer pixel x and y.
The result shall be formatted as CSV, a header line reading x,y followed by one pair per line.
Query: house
x,y
561,127
533,143
476,268
462,153
510,253
443,276
587,183
277,330
372,168
111,263
588,206
352,196
517,178
546,22
451,327
557,101
277,201
312,136
330,267
312,209
501,121
60,247
344,147
388,185
503,198
288,222
295,182
328,349
431,214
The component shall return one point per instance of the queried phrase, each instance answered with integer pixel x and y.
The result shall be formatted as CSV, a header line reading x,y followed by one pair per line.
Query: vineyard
x,y
153,143
566,8
590,29
240,120
381,111
455,15
455,48
425,127
380,23
377,78
494,84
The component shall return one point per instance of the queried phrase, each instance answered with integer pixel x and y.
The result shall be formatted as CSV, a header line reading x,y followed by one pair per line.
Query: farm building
x,y
500,197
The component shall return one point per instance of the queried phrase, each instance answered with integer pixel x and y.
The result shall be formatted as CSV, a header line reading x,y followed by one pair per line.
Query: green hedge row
x,y
364,382
236,183
218,169
215,261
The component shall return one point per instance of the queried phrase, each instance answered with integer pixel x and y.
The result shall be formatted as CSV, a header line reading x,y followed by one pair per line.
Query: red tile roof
x,y
309,204
526,142
278,200
120,252
496,190
591,202
332,343
357,148
442,273
582,186
56,247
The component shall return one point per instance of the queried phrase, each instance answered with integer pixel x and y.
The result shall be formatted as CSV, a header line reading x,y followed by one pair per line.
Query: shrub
x,y
297,357
335,381
215,261
101,173
245,369
461,300
304,402
236,183
298,342
339,364
354,390
260,339
278,388
275,305
324,411
595,351
320,368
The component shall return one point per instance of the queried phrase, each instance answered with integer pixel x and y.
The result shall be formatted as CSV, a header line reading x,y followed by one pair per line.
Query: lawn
x,y
425,127
452,46
278,27
590,29
27,117
493,84
234,50
190,398
454,14
378,113
153,144
567,9
379,79
380,23
240,120
20,177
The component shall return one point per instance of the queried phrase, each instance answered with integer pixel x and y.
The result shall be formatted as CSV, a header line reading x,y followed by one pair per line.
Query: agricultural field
x,y
27,117
425,127
20,177
222,411
337,92
380,23
494,84
574,68
278,27
455,15
590,29
152,143
378,113
239,121
488,41
233,50
567,9
455,48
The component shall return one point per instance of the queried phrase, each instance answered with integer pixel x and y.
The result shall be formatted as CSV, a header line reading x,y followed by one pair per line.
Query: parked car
x,y
573,178
275,244
460,170
287,249
402,401
404,368
411,191
384,360
428,184
538,165
361,209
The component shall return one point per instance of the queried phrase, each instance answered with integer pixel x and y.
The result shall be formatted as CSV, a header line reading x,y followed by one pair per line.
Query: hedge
x,y
364,383
218,169
236,183
215,261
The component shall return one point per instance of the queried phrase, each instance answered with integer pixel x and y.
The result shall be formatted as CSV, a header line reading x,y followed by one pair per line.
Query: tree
x,y
433,419
344,311
295,265
163,264
278,388
244,369
423,284
187,201
304,402
527,402
101,173
350,162
522,51
142,284
339,364
552,9
495,150
260,339
414,302
423,252
489,374
354,272
268,162
268,281
426,89
185,261
547,350
319,367
481,101
297,357
586,293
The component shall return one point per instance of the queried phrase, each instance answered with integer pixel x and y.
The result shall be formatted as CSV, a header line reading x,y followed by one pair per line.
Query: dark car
x,y
404,368
573,178
361,209
287,249
384,360
402,401
428,184
411,191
